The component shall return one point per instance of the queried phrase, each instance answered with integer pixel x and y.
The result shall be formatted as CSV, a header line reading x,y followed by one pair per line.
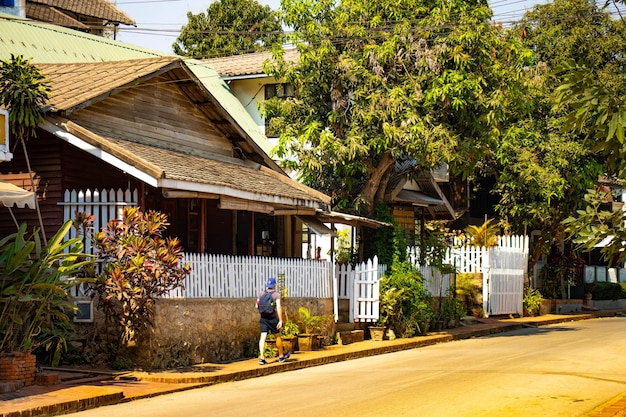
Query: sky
x,y
159,21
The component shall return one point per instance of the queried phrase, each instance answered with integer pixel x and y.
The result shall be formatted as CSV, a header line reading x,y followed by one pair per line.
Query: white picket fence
x,y
504,268
103,205
225,276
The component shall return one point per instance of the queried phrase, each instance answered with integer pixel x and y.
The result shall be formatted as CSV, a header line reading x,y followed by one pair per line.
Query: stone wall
x,y
192,331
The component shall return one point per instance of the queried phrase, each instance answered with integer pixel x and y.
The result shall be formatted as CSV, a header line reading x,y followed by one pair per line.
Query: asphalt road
x,y
560,370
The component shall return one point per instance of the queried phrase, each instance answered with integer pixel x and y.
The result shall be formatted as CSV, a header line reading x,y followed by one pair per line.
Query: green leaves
x,y
229,27
376,79
139,266
35,284
24,91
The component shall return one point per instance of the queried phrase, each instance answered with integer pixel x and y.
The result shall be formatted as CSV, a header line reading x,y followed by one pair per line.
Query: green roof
x,y
47,43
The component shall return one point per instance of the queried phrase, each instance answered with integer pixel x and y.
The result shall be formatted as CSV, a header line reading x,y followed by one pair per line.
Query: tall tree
x,y
543,171
24,92
593,96
229,27
381,82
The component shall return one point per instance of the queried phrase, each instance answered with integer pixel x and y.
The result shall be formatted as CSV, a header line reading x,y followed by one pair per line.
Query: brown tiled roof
x,y
77,84
51,15
101,9
246,64
225,173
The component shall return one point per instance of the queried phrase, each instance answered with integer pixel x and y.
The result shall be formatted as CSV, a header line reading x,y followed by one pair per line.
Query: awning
x,y
316,225
418,199
351,220
13,195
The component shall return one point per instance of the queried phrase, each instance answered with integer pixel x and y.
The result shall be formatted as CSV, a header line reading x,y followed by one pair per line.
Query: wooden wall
x,y
155,115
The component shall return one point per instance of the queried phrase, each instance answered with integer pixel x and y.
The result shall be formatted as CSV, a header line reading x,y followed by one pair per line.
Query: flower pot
x,y
377,332
289,344
308,342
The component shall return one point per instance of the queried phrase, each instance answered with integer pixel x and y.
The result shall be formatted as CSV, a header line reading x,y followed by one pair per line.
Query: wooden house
x,y
126,118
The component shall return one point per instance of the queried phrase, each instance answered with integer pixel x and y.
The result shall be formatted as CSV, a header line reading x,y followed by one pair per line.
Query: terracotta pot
x,y
377,333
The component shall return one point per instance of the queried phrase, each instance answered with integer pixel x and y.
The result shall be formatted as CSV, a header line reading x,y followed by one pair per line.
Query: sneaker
x,y
262,361
285,357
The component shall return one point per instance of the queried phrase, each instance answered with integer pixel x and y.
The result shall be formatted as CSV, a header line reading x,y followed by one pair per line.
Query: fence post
x,y
335,292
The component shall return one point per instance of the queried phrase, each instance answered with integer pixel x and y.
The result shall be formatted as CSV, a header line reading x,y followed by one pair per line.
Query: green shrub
x,y
406,305
604,290
469,291
139,267
36,304
532,301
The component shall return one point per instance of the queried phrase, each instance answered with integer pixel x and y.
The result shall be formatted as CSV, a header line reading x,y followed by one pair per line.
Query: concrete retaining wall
x,y
191,331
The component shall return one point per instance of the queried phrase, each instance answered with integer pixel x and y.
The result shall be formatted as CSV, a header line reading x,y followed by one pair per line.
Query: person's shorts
x,y
268,324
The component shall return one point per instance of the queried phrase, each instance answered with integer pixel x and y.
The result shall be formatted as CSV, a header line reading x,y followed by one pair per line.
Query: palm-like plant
x,y
485,235
24,92
35,284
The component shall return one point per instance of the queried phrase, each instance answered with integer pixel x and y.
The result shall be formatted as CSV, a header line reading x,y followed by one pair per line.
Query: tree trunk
x,y
375,176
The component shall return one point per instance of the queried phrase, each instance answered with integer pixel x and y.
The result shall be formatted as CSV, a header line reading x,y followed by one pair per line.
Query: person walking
x,y
269,306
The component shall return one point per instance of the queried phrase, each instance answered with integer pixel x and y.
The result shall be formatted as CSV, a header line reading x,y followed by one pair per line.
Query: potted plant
x,y
289,334
377,331
310,327
531,301
452,309
35,298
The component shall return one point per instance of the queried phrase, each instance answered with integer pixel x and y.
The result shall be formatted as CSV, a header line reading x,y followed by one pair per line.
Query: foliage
x,y
433,245
594,224
139,266
343,252
406,306
35,283
389,243
543,170
560,271
604,290
312,324
532,301
229,27
485,235
453,307
383,84
24,91
582,49
468,290
290,329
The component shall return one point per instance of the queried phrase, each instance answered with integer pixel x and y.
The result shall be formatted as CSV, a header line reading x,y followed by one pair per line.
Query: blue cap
x,y
271,282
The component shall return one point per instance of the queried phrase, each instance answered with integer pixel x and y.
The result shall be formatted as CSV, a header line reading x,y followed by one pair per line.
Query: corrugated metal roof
x,y
45,42
101,9
229,102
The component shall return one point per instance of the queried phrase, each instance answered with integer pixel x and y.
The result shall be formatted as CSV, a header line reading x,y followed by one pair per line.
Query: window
x,y
284,90
280,91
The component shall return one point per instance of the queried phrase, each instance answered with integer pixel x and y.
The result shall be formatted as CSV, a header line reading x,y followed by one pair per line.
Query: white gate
x,y
503,267
366,295
503,279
